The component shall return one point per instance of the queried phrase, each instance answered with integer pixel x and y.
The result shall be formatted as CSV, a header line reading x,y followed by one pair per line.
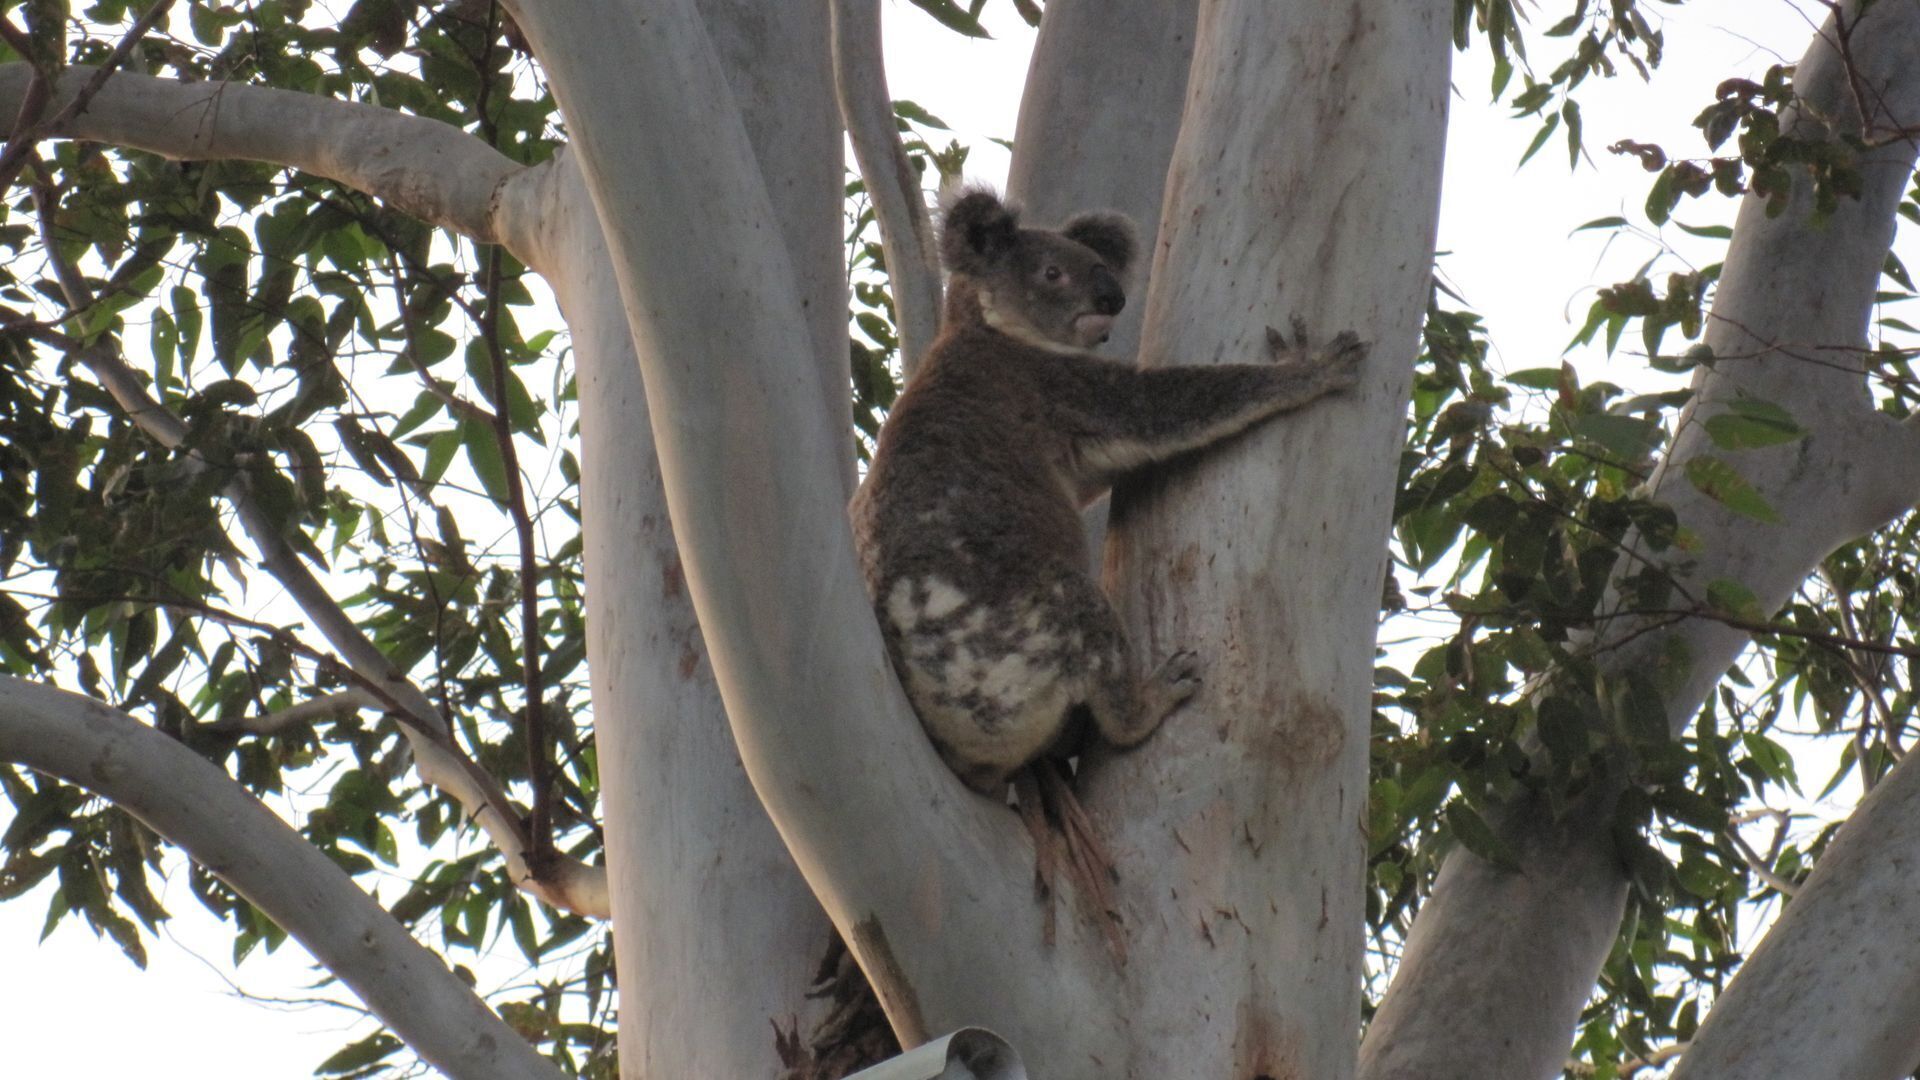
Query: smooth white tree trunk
x,y
718,937
1500,962
907,862
1237,825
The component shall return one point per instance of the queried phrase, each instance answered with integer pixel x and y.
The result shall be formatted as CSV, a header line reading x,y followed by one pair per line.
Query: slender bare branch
x,y
195,805
906,230
1760,865
324,707
534,720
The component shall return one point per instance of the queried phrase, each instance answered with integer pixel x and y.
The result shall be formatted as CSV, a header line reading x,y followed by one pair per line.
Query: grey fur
x,y
968,523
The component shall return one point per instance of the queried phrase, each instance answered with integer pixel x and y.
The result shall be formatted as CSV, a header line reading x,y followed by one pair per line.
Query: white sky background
x,y
1510,254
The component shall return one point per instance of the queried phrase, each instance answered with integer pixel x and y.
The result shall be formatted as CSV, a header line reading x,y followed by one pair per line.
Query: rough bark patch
x,y
1307,738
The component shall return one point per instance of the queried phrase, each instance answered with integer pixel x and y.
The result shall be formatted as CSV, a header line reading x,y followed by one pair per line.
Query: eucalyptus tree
x,y
329,229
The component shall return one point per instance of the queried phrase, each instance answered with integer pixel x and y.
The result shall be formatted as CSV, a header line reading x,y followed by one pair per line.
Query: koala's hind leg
x,y
1124,707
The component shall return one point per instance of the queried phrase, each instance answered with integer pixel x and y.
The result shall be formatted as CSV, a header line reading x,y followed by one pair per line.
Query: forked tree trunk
x,y
931,885
712,256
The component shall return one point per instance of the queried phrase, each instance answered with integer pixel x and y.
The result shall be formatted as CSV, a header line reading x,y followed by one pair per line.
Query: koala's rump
x,y
995,682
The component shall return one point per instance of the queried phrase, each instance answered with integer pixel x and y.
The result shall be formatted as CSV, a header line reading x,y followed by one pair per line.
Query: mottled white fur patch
x,y
913,600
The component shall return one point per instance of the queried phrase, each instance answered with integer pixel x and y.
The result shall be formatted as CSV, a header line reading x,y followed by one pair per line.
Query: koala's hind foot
x,y
1337,365
1125,707
1170,686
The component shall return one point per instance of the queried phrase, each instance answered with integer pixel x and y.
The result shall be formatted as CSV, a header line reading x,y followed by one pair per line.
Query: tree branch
x,y
195,805
428,169
324,707
906,230
534,720
1105,94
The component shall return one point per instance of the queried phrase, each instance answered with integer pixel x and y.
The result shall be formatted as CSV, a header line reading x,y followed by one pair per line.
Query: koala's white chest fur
x,y
992,683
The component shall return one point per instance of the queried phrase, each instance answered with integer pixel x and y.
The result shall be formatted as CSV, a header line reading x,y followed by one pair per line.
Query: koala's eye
x,y
1053,273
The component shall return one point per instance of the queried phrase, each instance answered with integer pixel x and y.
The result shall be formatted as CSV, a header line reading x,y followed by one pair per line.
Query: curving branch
x,y
431,170
906,230
195,805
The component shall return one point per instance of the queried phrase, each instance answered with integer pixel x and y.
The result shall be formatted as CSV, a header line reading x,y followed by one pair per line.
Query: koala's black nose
x,y
1108,298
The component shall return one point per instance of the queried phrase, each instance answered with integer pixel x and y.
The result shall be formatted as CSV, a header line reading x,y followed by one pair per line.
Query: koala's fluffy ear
x,y
1108,233
976,232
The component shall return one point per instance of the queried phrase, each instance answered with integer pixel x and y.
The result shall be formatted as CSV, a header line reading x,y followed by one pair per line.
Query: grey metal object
x,y
967,1054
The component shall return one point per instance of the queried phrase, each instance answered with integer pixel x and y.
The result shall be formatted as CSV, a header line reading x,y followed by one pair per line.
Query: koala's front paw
x,y
1337,365
1339,362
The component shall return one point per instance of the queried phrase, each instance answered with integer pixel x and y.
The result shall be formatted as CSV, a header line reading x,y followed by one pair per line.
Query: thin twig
x,y
539,738
539,765
1857,86
1760,867
893,187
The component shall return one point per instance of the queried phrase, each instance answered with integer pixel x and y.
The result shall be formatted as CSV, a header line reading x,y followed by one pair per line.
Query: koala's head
x,y
1046,286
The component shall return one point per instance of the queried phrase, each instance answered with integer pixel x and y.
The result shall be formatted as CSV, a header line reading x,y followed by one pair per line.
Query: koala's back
x,y
970,539
971,478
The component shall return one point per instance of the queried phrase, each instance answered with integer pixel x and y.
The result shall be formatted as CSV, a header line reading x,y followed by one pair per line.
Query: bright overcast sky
x,y
74,1005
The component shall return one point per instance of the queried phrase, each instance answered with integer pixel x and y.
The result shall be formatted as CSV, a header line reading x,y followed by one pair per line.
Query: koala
x,y
968,521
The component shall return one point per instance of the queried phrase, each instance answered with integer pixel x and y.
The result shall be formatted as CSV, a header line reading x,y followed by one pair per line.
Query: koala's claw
x,y
1279,345
1173,682
1340,360
1338,363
